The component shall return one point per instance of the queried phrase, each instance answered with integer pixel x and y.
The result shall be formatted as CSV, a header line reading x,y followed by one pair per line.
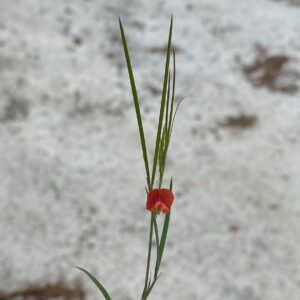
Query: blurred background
x,y
71,169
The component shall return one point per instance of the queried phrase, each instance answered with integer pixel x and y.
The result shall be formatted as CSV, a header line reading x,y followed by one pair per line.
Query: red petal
x,y
164,208
157,206
166,196
152,197
160,207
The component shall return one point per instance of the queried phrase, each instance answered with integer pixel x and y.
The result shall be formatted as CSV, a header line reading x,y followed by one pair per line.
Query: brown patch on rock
x,y
291,2
274,206
48,291
153,89
241,121
77,40
271,71
15,109
163,49
234,227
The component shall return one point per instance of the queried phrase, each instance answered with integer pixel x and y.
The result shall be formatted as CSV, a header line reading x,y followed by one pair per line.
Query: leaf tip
x,y
120,23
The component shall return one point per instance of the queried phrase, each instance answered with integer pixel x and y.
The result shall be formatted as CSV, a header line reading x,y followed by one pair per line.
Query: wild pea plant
x,y
158,199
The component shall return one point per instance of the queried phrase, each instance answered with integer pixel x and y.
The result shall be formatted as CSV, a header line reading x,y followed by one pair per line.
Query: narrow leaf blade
x,y
173,90
162,106
177,106
152,285
97,283
156,238
164,236
136,102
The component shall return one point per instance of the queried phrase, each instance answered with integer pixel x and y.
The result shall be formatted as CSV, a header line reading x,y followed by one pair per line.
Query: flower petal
x,y
164,208
152,197
166,196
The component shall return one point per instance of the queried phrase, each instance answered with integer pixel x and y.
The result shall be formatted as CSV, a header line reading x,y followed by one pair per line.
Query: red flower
x,y
159,200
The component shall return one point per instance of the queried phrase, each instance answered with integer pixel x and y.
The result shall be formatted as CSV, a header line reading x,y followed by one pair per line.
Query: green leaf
x,y
163,237
136,103
97,283
162,105
162,154
167,102
156,237
173,91
149,252
177,106
151,286
149,282
162,242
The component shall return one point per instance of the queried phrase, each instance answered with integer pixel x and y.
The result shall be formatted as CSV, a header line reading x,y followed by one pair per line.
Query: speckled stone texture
x,y
71,169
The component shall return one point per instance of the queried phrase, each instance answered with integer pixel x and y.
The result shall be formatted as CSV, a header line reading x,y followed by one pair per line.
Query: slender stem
x,y
156,239
149,255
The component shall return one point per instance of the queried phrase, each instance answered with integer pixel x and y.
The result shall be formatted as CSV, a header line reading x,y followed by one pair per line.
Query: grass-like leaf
x,y
163,237
173,92
168,102
149,253
97,283
162,154
162,242
156,235
162,106
151,286
173,119
164,145
136,103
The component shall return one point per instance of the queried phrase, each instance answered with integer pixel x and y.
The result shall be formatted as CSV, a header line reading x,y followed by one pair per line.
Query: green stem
x,y
149,256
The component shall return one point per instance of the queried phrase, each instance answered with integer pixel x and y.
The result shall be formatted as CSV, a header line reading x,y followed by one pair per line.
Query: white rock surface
x,y
71,170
